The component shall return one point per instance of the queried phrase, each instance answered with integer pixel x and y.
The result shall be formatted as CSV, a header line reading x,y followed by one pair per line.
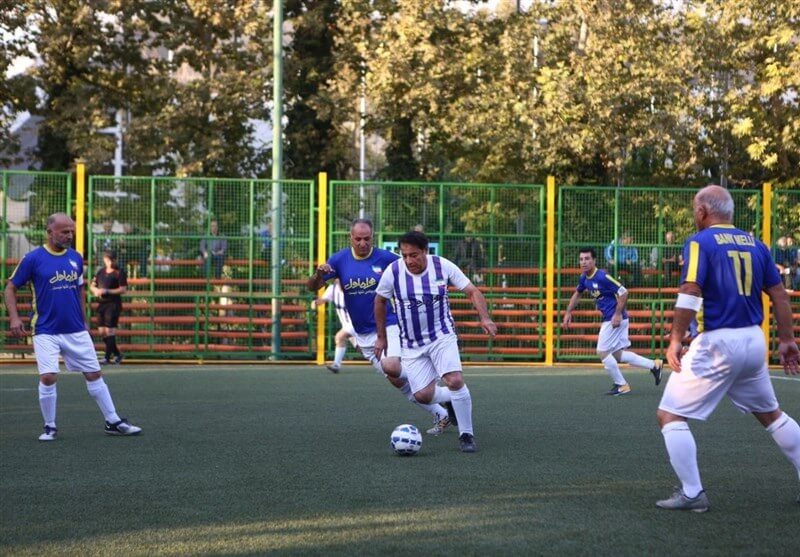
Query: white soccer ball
x,y
406,440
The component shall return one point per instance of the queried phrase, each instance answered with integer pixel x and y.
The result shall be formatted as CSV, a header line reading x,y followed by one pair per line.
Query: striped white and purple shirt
x,y
334,293
420,301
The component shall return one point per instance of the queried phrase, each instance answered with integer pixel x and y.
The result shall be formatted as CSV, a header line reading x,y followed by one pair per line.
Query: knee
x,y
396,381
602,354
48,379
92,376
663,418
391,366
454,380
423,397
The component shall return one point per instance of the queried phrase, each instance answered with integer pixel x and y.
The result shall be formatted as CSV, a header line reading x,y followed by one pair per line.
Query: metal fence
x,y
182,304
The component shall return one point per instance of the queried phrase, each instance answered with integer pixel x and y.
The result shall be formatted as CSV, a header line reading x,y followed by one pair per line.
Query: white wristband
x,y
687,301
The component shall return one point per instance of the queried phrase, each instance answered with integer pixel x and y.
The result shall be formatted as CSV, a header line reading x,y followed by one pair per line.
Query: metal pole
x,y
277,170
362,160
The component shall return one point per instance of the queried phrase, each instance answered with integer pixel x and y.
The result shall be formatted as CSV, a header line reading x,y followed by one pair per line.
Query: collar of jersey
x,y
722,226
51,252
361,258
593,274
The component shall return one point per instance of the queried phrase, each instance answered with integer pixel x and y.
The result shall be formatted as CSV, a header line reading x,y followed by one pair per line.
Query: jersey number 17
x,y
742,261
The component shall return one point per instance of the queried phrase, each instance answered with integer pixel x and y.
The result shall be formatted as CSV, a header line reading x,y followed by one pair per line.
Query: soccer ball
x,y
406,440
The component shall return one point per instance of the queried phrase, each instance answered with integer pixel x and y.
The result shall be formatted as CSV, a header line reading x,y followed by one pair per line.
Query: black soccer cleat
x,y
451,413
467,443
656,370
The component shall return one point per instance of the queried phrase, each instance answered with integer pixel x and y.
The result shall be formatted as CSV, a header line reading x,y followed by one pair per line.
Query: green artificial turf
x,y
296,460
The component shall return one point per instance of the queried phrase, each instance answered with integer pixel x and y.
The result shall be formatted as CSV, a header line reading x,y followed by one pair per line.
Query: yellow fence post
x,y
766,237
550,276
322,257
80,205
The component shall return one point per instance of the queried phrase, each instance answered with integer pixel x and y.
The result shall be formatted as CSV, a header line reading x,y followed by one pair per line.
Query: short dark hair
x,y
362,221
111,254
414,238
588,250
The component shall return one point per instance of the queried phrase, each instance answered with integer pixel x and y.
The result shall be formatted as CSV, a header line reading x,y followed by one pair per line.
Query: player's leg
x,y
46,350
694,392
609,341
341,347
79,355
753,392
446,359
634,359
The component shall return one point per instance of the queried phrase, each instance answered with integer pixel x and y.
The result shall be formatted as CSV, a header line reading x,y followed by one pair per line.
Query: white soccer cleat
x,y
122,427
680,502
439,426
48,434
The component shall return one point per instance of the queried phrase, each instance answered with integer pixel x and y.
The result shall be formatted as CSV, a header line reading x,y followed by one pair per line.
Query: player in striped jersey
x,y
359,268
610,297
334,294
418,286
58,326
725,273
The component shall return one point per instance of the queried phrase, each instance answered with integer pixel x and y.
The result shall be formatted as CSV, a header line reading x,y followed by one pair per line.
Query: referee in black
x,y
108,285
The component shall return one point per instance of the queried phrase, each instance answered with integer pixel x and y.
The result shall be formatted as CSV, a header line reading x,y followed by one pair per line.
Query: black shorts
x,y
108,315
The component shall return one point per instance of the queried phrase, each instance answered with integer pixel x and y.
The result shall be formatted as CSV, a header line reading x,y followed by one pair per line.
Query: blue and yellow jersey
x,y
359,278
56,280
603,289
731,267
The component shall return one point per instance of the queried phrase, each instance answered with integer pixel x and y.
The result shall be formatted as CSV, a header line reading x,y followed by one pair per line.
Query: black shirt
x,y
109,281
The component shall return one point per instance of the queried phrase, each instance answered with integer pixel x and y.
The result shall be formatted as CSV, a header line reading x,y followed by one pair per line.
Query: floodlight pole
x,y
277,170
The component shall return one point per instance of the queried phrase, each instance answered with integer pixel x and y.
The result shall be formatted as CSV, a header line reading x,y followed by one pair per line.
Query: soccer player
x,y
333,293
418,285
55,272
108,285
725,273
610,297
359,268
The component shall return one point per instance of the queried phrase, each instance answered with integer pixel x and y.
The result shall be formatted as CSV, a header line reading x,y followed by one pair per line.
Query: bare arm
x,y
573,301
622,302
681,319
787,347
317,280
479,301
15,322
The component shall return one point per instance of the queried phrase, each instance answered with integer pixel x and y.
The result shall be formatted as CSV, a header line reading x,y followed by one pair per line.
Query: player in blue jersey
x,y
610,297
725,273
58,326
359,269
417,284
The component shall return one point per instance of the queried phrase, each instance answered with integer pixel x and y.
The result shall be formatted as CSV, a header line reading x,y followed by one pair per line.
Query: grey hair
x,y
362,221
717,200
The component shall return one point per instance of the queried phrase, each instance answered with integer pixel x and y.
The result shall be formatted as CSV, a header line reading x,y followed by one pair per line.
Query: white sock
x,y
47,403
612,367
635,359
338,355
434,409
786,434
101,395
442,395
462,404
682,452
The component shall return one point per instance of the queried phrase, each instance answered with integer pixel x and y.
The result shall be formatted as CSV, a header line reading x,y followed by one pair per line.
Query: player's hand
x,y
380,347
790,357
489,327
674,353
324,269
616,321
18,328
567,319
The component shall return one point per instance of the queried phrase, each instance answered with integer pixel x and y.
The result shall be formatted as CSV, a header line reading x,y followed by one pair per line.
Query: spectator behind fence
x,y
105,241
627,257
470,256
668,255
213,250
786,261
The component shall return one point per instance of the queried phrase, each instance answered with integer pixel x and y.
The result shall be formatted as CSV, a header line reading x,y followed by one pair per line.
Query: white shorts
x,y
612,339
76,348
428,363
720,362
351,334
366,343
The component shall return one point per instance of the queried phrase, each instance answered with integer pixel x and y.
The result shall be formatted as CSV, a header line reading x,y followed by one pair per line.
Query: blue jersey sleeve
x,y
24,271
695,266
608,286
